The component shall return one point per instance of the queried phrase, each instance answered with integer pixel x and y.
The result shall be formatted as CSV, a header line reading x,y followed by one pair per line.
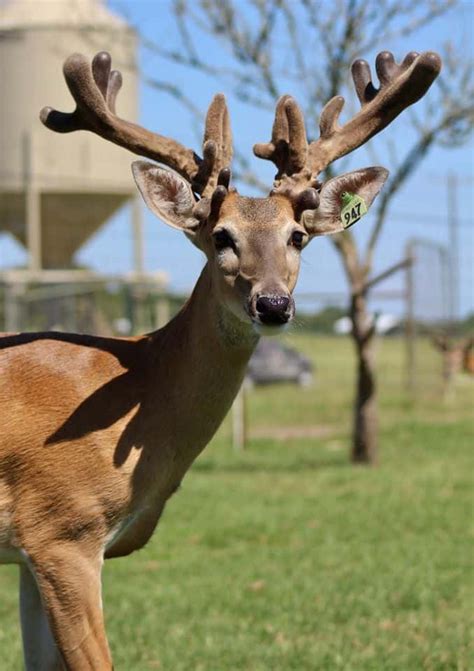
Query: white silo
x,y
56,190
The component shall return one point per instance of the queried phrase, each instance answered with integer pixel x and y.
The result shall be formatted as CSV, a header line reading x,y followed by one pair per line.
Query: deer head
x,y
253,245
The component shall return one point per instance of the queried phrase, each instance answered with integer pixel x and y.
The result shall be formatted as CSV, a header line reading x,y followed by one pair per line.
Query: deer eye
x,y
297,239
223,240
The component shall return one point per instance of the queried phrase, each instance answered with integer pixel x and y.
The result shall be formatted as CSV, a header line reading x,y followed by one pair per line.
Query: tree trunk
x,y
365,433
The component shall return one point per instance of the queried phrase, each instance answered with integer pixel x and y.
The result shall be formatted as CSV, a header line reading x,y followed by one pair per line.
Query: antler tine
x,y
277,149
94,87
288,147
217,146
209,206
298,144
109,82
400,86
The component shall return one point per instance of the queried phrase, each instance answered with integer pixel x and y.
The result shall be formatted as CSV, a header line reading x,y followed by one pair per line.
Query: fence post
x,y
410,329
13,307
239,420
32,207
162,311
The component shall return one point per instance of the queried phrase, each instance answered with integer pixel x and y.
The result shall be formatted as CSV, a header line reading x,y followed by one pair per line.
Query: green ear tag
x,y
353,208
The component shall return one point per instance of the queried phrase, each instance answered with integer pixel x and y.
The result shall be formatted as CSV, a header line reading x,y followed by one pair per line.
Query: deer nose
x,y
273,309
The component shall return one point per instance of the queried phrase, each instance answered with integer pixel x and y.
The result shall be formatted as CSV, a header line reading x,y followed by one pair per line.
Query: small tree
x,y
307,47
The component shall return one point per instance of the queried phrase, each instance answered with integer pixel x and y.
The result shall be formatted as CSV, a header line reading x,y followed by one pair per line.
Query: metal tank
x,y
57,190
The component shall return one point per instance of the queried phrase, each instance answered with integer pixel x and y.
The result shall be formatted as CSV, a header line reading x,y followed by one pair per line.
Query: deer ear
x,y
344,200
167,194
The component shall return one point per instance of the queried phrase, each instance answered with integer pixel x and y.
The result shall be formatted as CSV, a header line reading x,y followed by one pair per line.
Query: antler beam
x,y
401,85
94,88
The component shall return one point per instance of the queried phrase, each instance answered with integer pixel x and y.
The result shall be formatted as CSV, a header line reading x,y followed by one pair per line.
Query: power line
x,y
437,219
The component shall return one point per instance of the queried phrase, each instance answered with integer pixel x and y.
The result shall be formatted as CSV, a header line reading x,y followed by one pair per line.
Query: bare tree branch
x,y
449,122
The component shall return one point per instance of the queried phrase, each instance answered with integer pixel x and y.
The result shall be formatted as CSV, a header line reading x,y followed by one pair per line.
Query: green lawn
x,y
286,557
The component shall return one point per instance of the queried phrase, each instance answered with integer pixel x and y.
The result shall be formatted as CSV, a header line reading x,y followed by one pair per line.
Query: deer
x,y
457,357
98,432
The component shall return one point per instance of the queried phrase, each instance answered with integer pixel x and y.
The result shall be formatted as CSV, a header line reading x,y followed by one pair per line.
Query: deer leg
x,y
69,582
39,650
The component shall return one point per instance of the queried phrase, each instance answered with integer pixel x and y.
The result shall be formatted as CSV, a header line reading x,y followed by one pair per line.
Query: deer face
x,y
253,250
253,245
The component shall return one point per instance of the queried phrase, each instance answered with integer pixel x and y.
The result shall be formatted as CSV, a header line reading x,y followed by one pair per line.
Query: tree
x,y
307,46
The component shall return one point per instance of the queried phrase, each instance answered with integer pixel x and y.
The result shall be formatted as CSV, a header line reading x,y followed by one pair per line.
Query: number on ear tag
x,y
353,208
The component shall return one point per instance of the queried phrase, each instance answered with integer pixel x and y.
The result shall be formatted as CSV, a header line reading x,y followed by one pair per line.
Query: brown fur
x,y
97,433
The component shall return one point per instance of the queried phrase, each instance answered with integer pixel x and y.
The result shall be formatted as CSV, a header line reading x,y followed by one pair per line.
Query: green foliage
x,y
322,321
285,557
466,327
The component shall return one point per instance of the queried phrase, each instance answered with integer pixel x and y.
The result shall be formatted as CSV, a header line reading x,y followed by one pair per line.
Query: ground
x,y
285,557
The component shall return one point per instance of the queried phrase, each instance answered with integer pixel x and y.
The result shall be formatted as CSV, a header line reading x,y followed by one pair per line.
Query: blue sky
x,y
420,209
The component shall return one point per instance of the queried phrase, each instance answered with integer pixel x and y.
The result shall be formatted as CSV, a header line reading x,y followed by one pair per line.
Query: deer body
x,y
125,425
127,411
97,433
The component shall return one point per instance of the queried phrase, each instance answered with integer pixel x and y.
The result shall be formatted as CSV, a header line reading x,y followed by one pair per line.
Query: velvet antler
x,y
299,163
94,86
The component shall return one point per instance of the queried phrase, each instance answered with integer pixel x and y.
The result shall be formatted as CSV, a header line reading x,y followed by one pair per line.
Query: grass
x,y
285,557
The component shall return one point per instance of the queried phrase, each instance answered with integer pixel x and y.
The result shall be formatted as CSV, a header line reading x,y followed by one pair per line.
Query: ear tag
x,y
353,208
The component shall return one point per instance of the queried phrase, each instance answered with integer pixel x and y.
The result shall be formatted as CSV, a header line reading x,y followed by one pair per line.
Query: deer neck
x,y
207,329
199,364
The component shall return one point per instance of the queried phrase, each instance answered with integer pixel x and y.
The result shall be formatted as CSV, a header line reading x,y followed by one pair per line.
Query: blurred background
x,y
79,252
168,83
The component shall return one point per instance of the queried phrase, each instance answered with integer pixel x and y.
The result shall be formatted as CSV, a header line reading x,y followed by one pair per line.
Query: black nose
x,y
273,309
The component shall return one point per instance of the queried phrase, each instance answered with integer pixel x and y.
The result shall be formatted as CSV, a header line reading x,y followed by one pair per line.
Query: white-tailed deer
x,y
458,356
97,433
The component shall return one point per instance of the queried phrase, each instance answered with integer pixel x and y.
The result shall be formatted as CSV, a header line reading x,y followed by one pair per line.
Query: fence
x,y
120,305
429,293
107,305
